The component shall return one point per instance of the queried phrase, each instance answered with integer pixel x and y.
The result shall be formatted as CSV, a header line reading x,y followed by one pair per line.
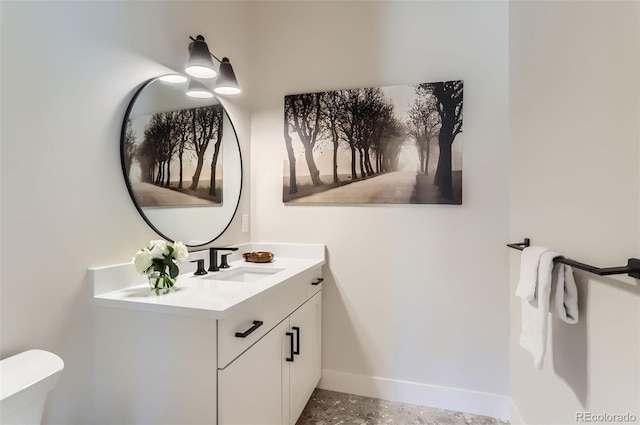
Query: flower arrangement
x,y
158,262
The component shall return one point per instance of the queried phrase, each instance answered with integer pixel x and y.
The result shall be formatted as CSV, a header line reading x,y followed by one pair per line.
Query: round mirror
x,y
181,162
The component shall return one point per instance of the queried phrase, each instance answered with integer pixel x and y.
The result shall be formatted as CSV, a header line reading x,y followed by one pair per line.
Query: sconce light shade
x,y
198,90
174,78
200,64
226,82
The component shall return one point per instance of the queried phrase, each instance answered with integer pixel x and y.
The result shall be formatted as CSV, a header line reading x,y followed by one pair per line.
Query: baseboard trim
x,y
476,402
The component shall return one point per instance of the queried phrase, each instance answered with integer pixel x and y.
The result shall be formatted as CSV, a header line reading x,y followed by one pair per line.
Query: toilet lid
x,y
25,369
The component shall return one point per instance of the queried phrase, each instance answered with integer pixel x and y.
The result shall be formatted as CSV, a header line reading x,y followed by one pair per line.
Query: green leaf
x,y
173,270
158,264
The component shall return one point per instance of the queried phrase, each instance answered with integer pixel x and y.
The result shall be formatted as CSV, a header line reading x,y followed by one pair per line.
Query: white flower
x,y
160,257
158,248
142,260
180,252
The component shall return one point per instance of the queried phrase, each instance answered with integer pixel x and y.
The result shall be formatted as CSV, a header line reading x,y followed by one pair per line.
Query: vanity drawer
x,y
244,321
270,309
314,283
284,299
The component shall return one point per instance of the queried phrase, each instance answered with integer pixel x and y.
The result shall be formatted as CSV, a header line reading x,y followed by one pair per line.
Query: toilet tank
x,y
25,381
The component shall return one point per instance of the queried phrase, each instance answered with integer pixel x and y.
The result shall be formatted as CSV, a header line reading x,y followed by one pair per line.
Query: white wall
x,y
574,184
68,72
416,296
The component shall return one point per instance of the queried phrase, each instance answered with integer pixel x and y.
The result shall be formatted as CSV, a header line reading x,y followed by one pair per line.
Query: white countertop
x,y
201,295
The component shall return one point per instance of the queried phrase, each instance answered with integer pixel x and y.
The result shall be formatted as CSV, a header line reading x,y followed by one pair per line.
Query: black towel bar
x,y
632,268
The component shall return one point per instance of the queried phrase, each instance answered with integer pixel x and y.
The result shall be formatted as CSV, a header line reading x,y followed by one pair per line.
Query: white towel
x,y
529,262
536,298
565,294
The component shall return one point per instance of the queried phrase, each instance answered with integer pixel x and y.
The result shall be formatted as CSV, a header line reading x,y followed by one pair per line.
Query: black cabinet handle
x,y
318,281
290,358
256,325
297,350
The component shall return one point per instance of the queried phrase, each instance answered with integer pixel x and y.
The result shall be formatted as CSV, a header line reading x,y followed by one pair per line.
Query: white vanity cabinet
x,y
305,369
252,386
270,383
181,359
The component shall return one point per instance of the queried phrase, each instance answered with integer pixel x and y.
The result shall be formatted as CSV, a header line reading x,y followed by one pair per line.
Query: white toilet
x,y
25,381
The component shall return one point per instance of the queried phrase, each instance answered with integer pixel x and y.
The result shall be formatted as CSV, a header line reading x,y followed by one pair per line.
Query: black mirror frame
x,y
128,184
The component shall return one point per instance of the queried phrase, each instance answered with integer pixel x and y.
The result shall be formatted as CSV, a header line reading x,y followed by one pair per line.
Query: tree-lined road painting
x,y
399,186
171,158
389,145
148,194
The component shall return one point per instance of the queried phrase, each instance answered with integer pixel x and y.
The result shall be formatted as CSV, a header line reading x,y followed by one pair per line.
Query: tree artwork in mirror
x,y
181,162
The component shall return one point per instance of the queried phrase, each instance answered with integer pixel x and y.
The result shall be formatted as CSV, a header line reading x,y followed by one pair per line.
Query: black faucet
x,y
201,269
224,264
213,258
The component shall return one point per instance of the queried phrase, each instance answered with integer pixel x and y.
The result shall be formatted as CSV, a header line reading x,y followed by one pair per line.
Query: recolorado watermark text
x,y
590,417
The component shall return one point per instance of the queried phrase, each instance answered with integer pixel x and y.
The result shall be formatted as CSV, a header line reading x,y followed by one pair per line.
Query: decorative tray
x,y
258,257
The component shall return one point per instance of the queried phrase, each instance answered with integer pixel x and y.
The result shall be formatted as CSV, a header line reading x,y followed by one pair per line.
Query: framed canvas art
x,y
383,145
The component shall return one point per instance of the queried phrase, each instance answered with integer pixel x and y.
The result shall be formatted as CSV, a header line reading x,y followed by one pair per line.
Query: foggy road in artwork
x,y
390,188
149,195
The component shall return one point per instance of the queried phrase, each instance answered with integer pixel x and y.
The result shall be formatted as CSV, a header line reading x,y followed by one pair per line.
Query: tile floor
x,y
332,408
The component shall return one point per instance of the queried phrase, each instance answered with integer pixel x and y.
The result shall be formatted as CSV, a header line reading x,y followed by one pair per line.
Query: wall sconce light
x,y
226,82
201,66
174,78
198,90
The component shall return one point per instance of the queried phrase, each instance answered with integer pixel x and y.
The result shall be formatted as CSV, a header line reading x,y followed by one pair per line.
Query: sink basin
x,y
244,274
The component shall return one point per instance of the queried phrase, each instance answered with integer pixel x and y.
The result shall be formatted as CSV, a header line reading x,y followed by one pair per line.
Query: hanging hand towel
x,y
565,293
529,262
550,278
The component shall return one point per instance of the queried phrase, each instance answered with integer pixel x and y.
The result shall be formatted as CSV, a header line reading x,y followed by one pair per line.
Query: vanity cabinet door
x,y
305,370
250,388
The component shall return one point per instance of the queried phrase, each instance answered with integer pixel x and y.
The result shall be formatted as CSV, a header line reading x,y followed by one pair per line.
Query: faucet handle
x,y
201,269
223,261
213,257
